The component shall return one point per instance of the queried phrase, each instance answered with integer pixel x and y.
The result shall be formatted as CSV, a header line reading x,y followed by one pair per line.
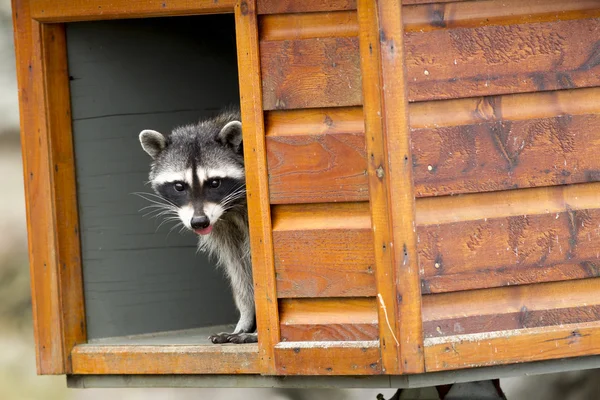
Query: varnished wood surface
x,y
441,64
52,220
328,358
386,273
320,72
397,171
309,150
459,146
328,319
516,346
88,10
493,12
165,359
64,196
564,58
323,250
509,238
257,190
293,6
465,242
511,307
308,25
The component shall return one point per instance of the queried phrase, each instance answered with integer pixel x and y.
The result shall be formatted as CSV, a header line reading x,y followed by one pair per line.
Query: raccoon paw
x,y
236,338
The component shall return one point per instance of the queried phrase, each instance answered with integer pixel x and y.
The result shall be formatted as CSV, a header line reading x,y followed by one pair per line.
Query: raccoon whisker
x,y
163,222
173,227
233,197
144,195
157,206
230,202
168,213
234,192
160,211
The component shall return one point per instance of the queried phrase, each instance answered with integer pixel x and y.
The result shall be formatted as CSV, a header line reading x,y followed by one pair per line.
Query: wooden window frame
x,y
53,224
51,196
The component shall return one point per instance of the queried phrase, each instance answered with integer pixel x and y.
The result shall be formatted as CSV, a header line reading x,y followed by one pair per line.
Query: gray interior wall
x,y
127,76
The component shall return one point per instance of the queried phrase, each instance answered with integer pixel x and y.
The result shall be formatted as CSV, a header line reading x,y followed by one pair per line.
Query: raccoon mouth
x,y
204,231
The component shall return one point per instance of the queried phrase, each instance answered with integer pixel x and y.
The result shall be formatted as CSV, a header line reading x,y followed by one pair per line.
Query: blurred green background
x,y
18,379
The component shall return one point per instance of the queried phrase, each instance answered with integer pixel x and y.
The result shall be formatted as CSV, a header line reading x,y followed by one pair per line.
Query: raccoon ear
x,y
231,135
152,142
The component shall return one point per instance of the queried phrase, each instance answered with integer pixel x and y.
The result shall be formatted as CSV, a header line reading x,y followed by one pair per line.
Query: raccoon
x,y
198,173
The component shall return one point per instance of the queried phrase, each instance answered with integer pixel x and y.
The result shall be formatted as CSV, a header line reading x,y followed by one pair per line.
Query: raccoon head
x,y
198,170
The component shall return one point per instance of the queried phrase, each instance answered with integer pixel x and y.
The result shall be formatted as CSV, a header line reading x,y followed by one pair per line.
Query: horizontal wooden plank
x,y
89,10
506,155
317,168
506,347
165,359
323,250
477,241
315,155
420,18
328,358
328,319
310,73
494,12
513,307
441,64
309,25
509,250
305,6
459,146
514,107
510,203
448,63
505,151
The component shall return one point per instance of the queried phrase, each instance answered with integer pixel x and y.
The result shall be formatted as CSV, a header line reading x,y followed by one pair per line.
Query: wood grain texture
x,y
493,12
447,63
86,10
312,168
323,250
328,319
36,153
310,73
538,241
516,346
507,154
165,359
508,308
64,191
257,186
441,64
310,150
293,6
308,25
397,171
328,358
385,267
52,222
459,146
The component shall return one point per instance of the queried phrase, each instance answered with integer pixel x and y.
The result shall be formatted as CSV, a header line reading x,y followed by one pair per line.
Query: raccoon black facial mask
x,y
198,173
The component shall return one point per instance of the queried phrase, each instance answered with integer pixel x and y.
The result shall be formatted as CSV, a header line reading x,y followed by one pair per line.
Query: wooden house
x,y
422,185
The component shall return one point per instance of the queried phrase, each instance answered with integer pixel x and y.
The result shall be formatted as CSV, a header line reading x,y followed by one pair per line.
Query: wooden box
x,y
422,185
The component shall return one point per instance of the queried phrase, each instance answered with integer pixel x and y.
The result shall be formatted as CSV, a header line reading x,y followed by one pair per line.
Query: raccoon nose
x,y
200,222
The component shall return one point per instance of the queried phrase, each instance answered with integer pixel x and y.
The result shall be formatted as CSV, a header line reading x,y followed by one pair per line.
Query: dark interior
x,y
127,76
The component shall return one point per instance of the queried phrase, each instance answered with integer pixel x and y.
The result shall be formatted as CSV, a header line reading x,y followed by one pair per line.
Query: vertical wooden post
x,y
51,204
390,185
257,184
385,274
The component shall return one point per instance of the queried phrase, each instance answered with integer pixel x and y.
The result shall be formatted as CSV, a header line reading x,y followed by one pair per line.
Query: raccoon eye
x,y
214,183
179,186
